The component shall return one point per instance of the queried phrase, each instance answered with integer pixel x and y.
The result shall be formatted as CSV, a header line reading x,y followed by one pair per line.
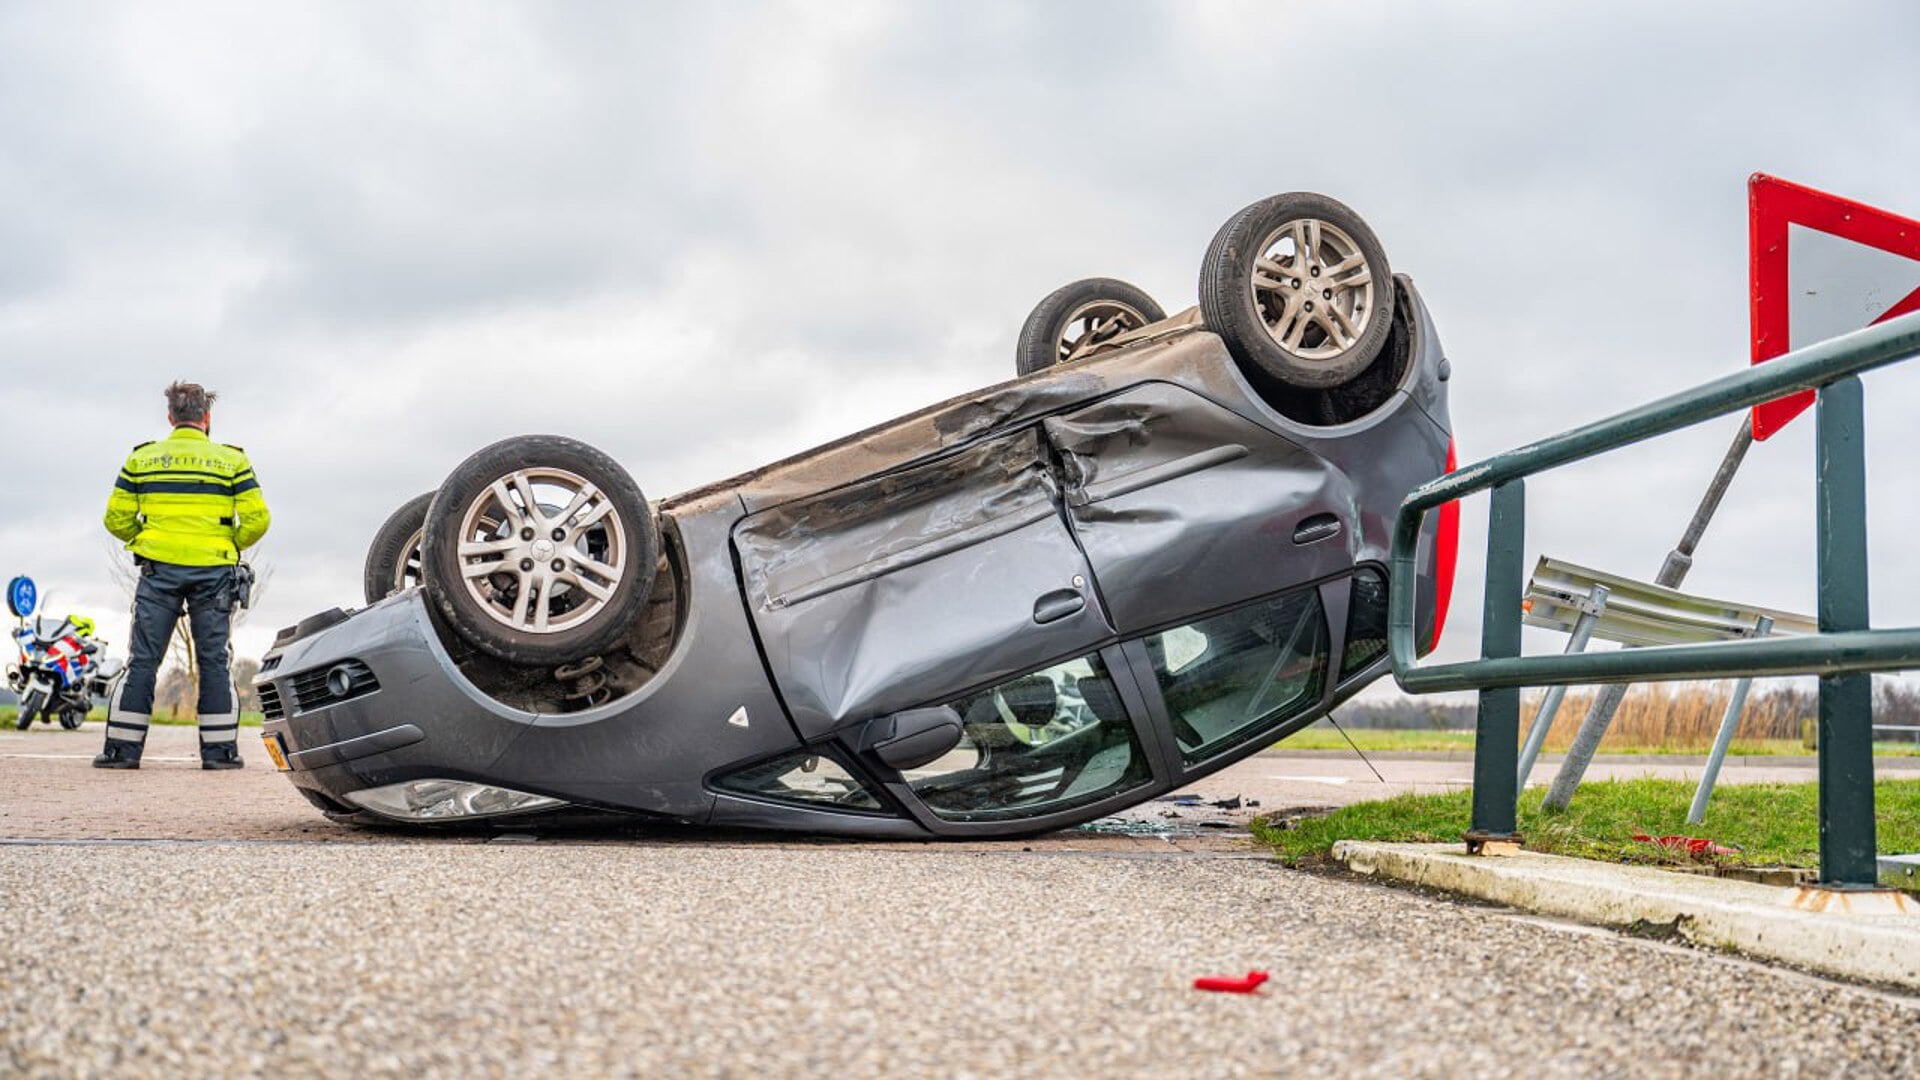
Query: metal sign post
x,y
1846,701
1496,746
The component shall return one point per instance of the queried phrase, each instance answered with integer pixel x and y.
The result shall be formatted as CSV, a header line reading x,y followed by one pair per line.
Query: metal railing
x,y
1841,653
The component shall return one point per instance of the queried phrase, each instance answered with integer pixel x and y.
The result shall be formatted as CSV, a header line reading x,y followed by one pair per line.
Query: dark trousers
x,y
205,594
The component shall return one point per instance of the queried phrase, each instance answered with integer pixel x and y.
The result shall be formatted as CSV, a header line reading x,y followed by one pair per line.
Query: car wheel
x,y
539,550
1078,320
393,559
1298,288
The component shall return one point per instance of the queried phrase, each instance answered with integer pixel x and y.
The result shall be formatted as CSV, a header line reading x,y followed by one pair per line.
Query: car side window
x,y
805,776
1256,666
1054,739
1366,622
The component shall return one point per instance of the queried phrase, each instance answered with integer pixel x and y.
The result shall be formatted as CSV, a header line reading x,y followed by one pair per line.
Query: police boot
x,y
224,755
118,754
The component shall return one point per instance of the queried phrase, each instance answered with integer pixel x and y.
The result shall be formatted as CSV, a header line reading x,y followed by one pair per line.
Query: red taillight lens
x,y
1446,552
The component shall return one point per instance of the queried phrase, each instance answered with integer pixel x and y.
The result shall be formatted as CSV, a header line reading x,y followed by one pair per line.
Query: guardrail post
x,y
1729,723
1550,705
1496,741
1847,856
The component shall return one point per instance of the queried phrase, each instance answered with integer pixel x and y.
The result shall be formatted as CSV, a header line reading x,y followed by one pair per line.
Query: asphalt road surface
x,y
246,946
48,791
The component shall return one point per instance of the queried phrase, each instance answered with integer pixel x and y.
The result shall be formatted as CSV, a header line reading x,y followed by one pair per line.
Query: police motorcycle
x,y
61,670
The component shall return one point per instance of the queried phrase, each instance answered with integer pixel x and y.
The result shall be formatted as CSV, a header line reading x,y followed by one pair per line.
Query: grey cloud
x,y
705,236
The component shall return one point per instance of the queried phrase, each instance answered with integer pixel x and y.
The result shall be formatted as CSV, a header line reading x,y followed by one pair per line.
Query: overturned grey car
x,y
1157,551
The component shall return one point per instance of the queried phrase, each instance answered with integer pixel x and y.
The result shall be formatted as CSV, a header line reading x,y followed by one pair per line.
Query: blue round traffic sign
x,y
22,596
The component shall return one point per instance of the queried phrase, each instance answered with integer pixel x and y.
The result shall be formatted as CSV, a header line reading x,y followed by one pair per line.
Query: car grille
x,y
269,664
314,690
270,701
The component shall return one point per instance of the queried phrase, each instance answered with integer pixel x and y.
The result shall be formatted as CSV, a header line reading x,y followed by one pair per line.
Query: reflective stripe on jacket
x,y
187,500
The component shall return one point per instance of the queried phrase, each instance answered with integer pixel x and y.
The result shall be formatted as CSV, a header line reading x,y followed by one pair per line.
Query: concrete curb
x,y
1754,919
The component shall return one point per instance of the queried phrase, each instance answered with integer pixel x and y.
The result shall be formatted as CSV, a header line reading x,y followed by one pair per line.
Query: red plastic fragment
x,y
1692,845
1228,984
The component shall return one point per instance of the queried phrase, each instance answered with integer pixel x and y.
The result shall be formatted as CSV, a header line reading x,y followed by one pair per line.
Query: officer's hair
x,y
187,402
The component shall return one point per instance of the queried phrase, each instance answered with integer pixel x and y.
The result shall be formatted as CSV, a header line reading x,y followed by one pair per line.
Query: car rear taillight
x,y
1446,556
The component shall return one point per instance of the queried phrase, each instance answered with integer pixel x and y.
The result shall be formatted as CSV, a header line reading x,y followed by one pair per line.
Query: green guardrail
x,y
1842,653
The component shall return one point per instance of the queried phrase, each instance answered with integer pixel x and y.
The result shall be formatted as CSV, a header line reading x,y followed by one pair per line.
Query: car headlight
x,y
433,800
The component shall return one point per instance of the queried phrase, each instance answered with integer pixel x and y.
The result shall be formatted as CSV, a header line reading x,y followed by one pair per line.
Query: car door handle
x,y
1058,604
1317,527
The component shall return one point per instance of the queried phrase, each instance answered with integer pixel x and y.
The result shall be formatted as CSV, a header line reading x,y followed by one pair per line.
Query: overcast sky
x,y
703,236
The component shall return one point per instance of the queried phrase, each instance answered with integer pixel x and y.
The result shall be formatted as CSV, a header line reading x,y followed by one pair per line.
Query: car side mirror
x,y
916,737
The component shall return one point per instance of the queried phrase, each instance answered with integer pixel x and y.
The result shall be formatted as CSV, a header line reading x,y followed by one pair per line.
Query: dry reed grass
x,y
1682,716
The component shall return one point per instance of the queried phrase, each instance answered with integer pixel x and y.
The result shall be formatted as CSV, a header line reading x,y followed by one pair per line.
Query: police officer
x,y
186,507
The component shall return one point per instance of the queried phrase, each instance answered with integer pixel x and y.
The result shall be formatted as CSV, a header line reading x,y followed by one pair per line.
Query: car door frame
x,y
1149,732
1335,595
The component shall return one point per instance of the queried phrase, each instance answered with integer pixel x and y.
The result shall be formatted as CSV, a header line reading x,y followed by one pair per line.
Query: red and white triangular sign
x,y
1819,266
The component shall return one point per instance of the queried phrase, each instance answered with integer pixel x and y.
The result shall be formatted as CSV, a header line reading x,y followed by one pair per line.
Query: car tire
x,y
1076,321
393,559
517,612
1269,304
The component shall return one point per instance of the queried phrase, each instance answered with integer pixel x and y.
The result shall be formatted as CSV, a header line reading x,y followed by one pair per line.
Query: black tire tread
x,y
31,705
389,547
1040,335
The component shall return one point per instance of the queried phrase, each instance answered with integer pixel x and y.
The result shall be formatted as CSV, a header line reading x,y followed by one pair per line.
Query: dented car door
x,y
918,584
1183,505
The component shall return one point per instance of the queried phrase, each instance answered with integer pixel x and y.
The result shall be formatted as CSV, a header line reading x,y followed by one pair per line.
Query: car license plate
x,y
277,752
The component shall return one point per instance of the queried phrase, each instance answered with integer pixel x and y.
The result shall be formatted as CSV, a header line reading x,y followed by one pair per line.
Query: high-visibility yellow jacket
x,y
187,500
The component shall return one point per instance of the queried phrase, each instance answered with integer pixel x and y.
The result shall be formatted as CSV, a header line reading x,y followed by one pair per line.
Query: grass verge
x,y
1770,824
1320,736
